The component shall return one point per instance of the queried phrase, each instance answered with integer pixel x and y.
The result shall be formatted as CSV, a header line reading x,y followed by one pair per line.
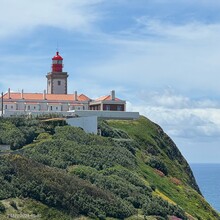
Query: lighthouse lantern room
x,y
57,63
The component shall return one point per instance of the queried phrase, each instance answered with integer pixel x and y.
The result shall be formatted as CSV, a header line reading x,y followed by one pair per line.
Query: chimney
x,y
44,95
22,94
75,96
113,95
9,93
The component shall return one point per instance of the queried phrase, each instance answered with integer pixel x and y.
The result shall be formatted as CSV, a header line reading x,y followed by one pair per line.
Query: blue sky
x,y
162,56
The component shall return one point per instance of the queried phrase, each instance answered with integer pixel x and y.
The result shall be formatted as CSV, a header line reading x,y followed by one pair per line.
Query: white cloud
x,y
18,17
193,30
190,120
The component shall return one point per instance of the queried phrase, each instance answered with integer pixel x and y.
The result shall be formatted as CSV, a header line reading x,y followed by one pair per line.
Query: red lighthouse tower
x,y
57,65
57,79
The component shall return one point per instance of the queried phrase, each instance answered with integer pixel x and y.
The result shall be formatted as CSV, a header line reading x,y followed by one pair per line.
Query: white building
x,y
56,98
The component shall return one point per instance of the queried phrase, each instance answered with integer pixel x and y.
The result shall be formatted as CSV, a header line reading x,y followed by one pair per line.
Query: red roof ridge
x,y
107,98
84,96
102,98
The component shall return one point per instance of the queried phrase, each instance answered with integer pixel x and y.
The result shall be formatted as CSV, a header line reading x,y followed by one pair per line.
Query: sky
x,y
162,56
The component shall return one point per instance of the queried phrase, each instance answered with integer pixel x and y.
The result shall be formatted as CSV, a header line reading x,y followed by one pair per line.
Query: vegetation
x,y
63,173
2,207
158,164
18,132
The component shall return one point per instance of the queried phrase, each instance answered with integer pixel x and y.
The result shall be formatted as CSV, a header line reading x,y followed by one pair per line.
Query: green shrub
x,y
121,183
43,136
62,153
2,207
56,188
159,207
158,164
13,204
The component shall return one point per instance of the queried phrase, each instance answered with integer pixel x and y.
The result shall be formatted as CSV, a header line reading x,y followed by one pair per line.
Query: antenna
x,y
57,46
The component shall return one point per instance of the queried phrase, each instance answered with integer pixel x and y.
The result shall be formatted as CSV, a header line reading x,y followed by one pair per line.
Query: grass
x,y
183,195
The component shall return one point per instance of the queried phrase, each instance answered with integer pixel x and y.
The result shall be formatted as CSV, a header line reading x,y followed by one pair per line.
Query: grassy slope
x,y
186,193
102,168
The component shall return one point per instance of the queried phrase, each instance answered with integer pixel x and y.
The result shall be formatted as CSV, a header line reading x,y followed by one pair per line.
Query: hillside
x,y
133,171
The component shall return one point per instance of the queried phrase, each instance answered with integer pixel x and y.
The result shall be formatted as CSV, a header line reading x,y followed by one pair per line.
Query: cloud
x,y
19,17
171,99
193,30
182,117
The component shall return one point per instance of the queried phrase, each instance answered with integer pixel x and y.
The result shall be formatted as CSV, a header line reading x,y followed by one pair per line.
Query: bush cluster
x,y
18,132
122,184
71,146
56,188
158,164
159,207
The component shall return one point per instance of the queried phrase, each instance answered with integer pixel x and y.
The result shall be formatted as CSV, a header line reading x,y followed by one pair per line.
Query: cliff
x,y
133,171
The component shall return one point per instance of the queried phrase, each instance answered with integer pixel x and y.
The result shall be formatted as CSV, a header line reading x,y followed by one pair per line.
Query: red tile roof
x,y
106,98
83,97
49,97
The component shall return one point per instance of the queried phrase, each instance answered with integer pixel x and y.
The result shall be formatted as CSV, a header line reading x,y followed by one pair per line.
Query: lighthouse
x,y
57,79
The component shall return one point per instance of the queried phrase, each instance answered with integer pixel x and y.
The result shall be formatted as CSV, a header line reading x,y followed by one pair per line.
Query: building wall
x,y
32,107
8,113
79,114
49,86
20,106
75,107
10,106
85,105
41,105
59,86
108,114
54,108
88,124
57,83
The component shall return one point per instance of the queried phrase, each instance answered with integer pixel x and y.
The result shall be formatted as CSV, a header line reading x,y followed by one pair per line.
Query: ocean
x,y
208,179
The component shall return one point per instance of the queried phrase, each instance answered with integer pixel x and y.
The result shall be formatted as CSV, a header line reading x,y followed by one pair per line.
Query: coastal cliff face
x,y
133,171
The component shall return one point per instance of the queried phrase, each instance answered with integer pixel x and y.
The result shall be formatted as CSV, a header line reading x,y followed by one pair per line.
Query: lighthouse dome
x,y
57,57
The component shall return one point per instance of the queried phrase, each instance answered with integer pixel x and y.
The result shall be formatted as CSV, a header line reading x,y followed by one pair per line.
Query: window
x,y
56,108
34,107
6,106
51,108
11,106
59,83
119,108
108,107
29,107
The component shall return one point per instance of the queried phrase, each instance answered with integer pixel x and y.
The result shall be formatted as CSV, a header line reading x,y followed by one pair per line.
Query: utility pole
x,y
2,104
